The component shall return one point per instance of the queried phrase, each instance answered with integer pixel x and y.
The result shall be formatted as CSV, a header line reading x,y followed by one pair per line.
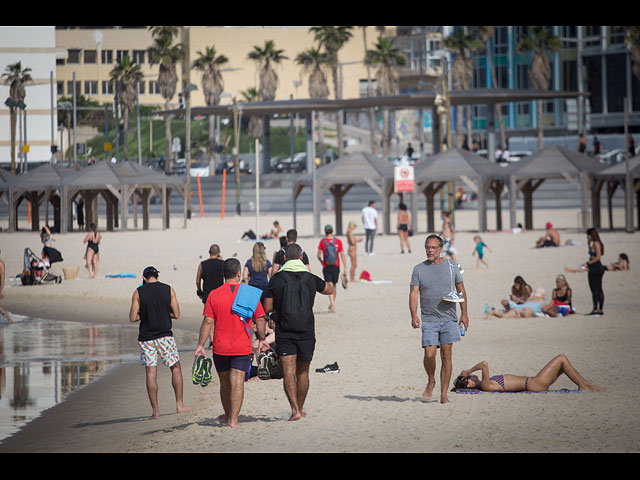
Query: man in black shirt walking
x,y
154,304
291,293
209,276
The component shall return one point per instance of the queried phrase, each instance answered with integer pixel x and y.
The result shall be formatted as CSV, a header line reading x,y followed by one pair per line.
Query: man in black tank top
x,y
209,276
154,305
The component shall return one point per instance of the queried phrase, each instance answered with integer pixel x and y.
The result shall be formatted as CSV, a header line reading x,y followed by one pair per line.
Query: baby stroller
x,y
35,271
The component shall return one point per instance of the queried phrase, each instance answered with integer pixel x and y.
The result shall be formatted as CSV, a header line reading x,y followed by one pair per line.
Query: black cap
x,y
149,272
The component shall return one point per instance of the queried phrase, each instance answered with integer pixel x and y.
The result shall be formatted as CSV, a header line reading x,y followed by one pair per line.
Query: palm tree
x,y
462,72
126,74
485,34
167,56
250,95
313,60
372,124
210,63
265,59
386,56
16,77
633,40
539,40
332,39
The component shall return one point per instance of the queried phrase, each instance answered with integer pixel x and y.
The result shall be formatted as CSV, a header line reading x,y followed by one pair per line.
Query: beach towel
x,y
246,302
121,275
474,391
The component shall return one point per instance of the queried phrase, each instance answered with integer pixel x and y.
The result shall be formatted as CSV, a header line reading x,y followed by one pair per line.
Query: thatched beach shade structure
x,y
339,176
557,162
118,184
626,175
42,184
476,172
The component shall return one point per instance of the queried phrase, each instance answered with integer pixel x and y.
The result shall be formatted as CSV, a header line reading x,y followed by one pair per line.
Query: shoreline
x,y
374,404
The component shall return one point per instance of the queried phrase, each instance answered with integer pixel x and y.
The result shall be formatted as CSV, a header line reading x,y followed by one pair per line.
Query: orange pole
x,y
200,195
29,211
224,188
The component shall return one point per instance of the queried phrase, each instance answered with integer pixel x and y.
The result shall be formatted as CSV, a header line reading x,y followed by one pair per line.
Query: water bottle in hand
x,y
462,330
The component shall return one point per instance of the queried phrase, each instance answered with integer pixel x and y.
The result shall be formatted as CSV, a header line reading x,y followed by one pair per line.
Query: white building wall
x,y
34,47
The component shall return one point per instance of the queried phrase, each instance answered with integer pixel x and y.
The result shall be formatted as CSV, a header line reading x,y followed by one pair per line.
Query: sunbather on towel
x,y
513,383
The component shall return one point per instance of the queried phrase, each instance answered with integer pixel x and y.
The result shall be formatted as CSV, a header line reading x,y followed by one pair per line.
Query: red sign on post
x,y
404,179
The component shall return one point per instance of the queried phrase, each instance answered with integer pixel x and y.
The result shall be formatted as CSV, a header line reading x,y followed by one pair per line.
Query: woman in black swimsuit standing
x,y
91,255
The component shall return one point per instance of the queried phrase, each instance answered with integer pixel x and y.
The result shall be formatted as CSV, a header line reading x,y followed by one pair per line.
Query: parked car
x,y
611,157
199,169
231,167
286,165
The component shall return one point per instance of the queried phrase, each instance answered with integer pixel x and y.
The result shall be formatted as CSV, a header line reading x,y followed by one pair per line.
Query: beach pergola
x,y
476,172
626,175
554,162
426,99
119,184
39,185
339,176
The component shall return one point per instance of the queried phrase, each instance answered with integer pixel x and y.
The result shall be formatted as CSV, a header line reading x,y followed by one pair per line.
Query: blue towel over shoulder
x,y
246,301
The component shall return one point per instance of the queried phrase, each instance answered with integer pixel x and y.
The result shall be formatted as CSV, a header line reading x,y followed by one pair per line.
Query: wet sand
x,y
374,404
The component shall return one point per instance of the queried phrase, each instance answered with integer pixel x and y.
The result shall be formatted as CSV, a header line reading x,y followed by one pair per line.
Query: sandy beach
x,y
375,403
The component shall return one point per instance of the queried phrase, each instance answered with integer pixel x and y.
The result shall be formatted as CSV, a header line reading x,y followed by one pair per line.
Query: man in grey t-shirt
x,y
437,284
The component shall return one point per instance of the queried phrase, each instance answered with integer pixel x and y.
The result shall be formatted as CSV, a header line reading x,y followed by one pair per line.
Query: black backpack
x,y
296,312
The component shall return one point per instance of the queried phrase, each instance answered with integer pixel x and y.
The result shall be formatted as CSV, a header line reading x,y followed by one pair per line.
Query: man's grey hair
x,y
437,237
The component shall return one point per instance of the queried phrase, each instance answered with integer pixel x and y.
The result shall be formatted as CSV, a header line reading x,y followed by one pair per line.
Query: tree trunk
x,y
13,140
540,126
168,156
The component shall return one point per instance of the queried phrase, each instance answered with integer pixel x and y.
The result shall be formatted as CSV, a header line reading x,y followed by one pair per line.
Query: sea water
x,y
43,361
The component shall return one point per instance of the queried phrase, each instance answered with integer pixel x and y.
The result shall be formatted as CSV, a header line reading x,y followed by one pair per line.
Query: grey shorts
x,y
440,333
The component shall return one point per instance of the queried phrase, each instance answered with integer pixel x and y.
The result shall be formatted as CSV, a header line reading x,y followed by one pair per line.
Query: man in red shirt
x,y
330,252
231,350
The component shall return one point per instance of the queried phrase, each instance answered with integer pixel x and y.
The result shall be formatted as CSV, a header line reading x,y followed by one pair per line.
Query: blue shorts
x,y
224,363
440,333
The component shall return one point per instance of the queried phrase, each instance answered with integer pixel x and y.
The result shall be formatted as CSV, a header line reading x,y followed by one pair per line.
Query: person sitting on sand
x,y
520,292
514,383
560,296
551,237
621,264
533,307
275,232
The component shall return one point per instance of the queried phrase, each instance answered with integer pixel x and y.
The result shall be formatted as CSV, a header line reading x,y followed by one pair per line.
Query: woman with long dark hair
x,y
92,239
595,270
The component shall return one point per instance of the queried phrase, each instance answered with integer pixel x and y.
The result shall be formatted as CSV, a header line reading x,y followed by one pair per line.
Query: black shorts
x,y
331,274
303,348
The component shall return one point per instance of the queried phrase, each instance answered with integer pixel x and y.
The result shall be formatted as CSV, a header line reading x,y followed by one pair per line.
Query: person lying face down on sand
x,y
514,383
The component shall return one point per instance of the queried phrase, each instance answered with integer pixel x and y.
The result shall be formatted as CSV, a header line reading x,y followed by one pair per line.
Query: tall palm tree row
x,y
126,74
16,77
166,54
386,57
539,41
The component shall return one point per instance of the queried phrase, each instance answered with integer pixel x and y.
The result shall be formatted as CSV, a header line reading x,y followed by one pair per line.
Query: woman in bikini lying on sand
x,y
513,383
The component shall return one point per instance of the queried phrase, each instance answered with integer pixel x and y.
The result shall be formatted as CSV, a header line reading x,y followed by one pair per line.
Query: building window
x,y
142,87
73,55
90,56
120,54
107,56
107,87
90,87
616,82
153,88
70,88
60,88
138,56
